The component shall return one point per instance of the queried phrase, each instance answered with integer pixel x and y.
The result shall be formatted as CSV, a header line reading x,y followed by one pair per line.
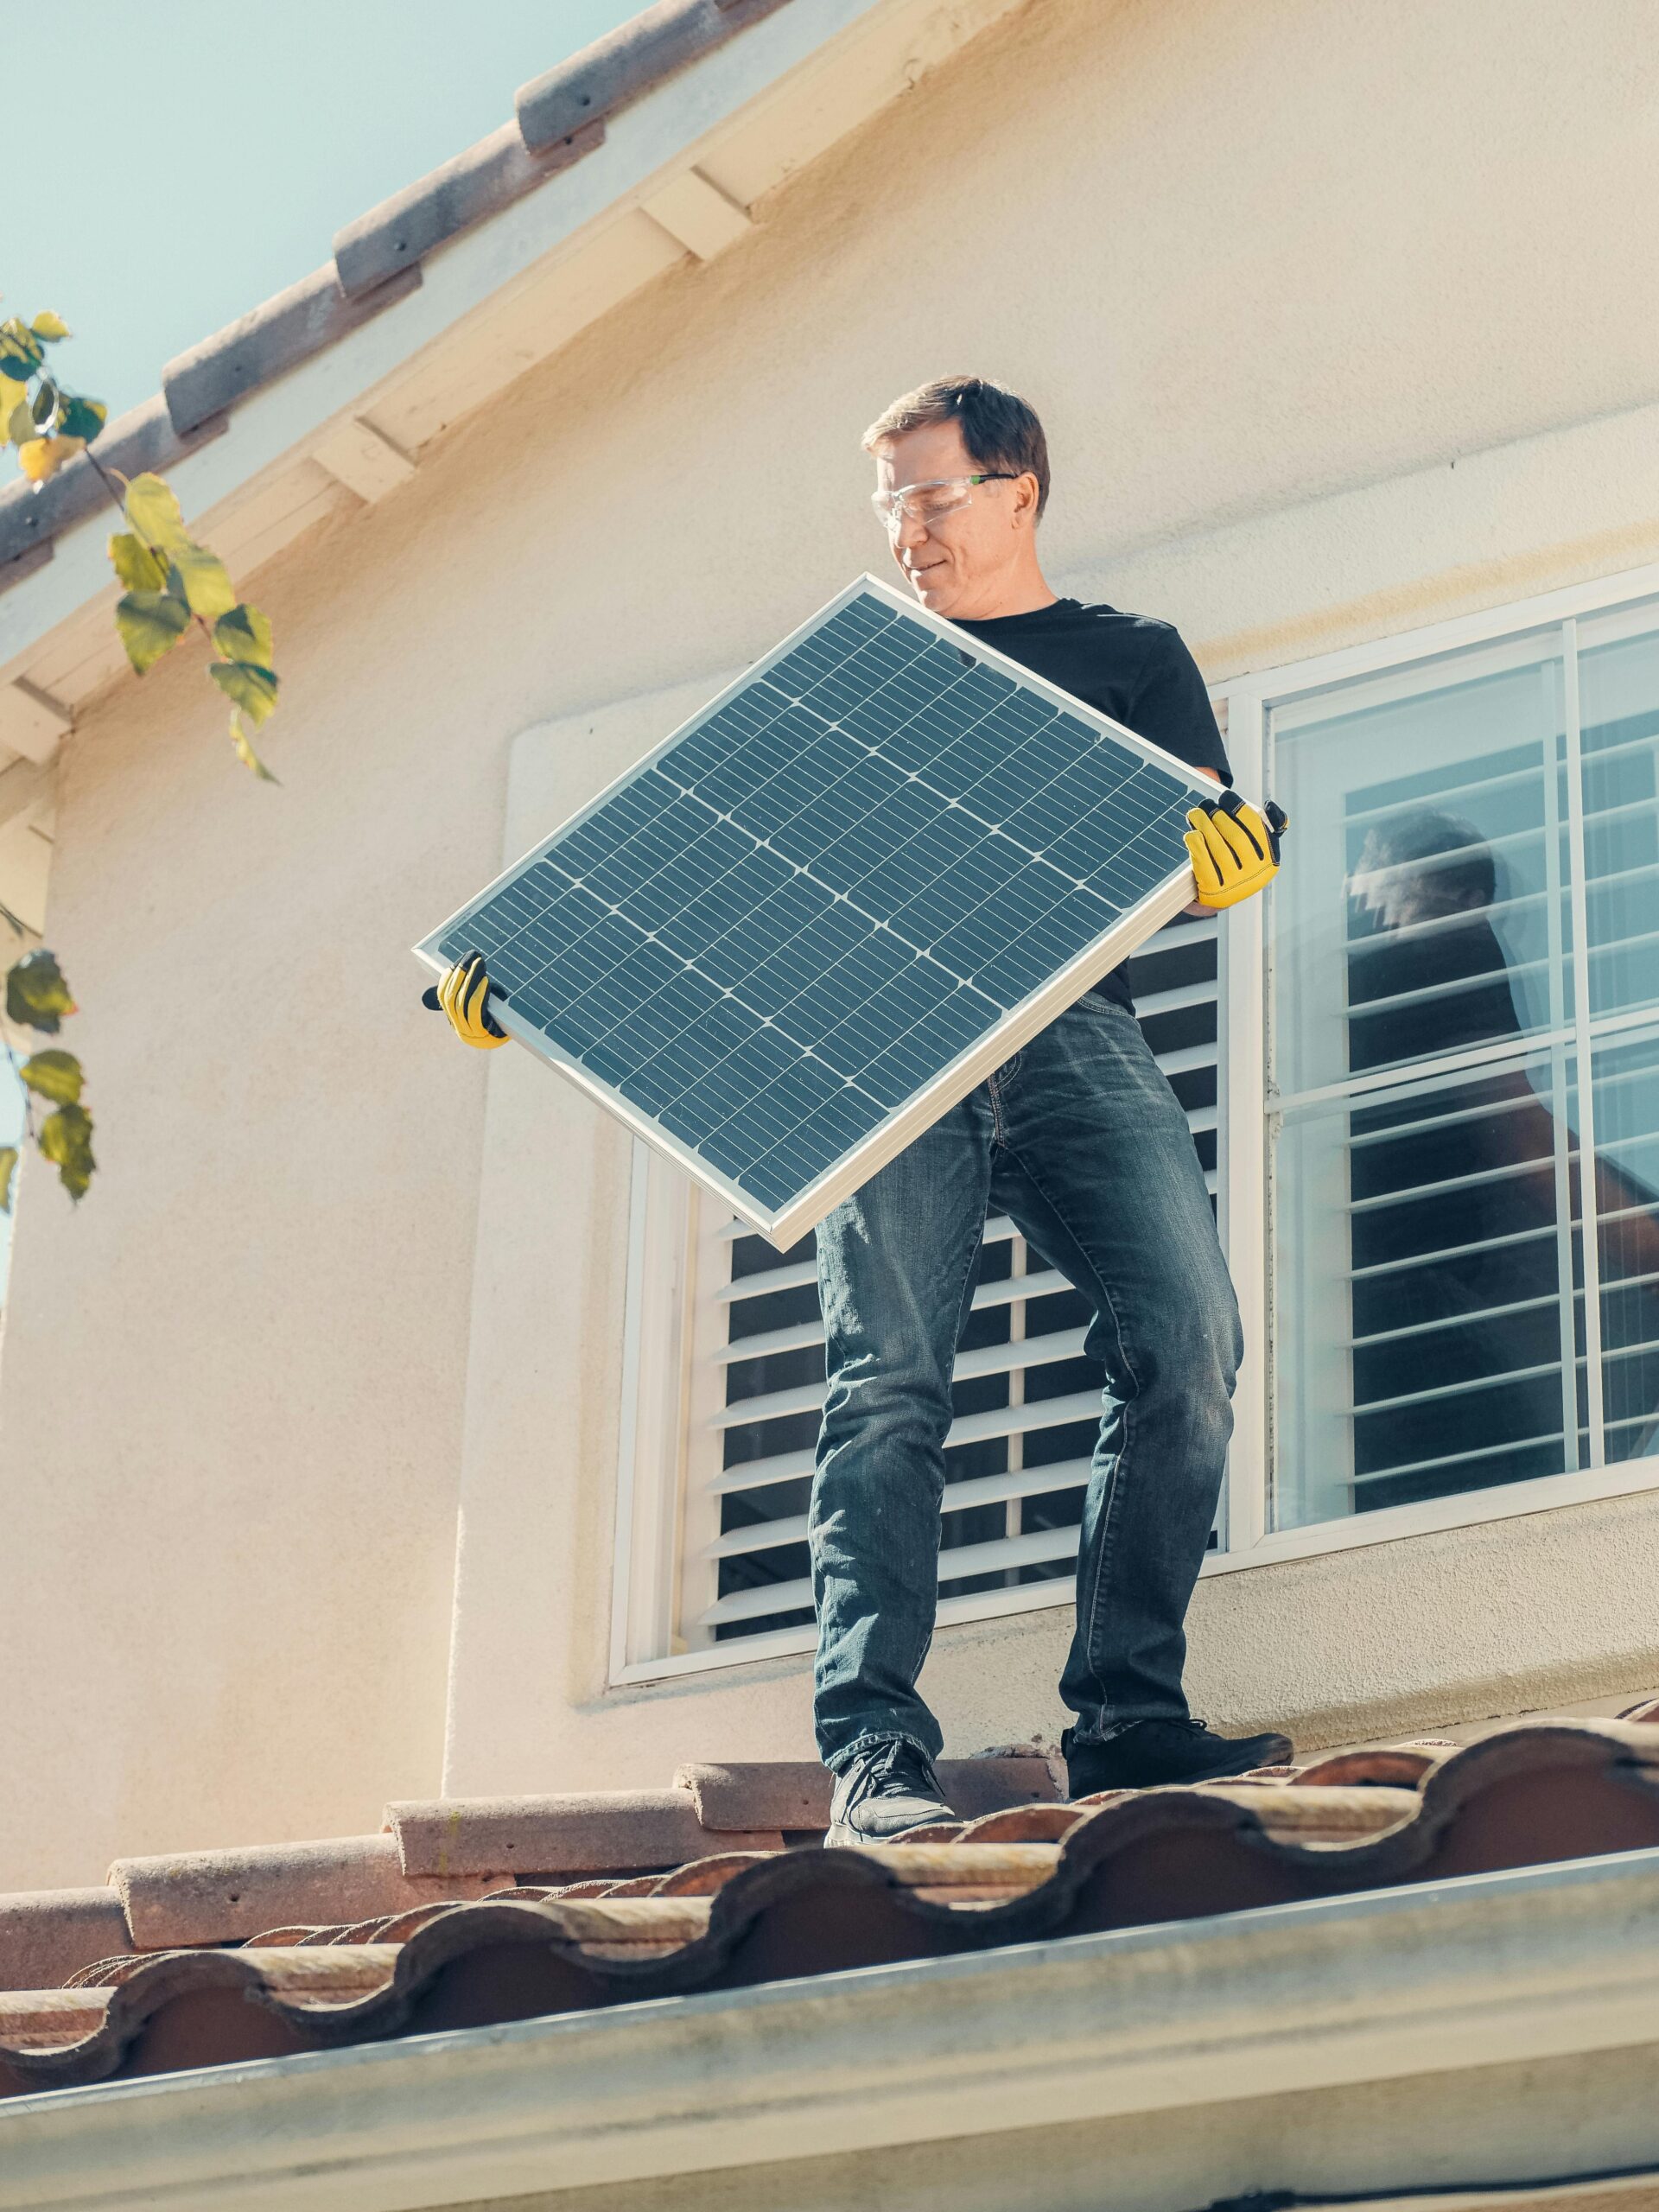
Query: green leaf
x,y
55,1075
45,398
83,418
248,686
135,564
65,1138
150,623
19,344
7,1169
20,423
154,513
49,327
205,581
244,752
244,634
36,995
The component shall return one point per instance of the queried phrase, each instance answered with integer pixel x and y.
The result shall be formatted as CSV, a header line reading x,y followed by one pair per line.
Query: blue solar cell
x,y
824,891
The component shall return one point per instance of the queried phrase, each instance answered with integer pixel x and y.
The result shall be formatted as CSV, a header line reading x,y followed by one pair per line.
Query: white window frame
x,y
658,1374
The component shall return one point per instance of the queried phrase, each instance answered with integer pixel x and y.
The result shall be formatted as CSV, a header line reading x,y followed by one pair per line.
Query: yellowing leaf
x,y
40,458
205,581
50,327
136,565
245,685
244,634
67,1139
55,1075
20,422
150,623
154,513
244,752
7,1169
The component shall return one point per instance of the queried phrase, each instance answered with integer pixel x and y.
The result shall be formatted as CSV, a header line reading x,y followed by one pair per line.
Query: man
x,y
1080,1140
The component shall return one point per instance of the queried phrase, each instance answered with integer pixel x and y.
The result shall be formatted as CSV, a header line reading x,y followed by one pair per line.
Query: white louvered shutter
x,y
1027,1403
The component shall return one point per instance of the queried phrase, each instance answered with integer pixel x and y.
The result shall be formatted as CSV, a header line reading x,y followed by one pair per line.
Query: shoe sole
x,y
841,1838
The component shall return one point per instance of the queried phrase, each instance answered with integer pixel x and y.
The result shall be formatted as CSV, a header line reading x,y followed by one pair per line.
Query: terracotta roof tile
x,y
46,1935
1535,1792
795,1794
626,63
574,1833
222,1897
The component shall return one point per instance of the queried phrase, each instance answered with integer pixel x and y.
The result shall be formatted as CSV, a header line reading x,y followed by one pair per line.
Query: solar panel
x,y
831,902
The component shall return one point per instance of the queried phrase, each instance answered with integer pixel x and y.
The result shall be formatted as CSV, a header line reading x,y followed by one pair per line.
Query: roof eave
x,y
1530,1966
235,416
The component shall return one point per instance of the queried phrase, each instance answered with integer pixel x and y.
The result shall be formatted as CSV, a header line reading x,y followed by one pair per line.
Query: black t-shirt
x,y
1125,666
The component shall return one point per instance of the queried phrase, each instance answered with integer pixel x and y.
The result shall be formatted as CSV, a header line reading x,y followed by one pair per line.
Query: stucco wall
x,y
1254,264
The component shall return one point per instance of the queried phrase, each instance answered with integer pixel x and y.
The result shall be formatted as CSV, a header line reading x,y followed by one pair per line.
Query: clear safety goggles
x,y
930,501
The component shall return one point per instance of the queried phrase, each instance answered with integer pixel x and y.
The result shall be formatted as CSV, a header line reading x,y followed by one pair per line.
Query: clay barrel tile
x,y
224,1897
579,1833
627,63
475,185
46,2020
275,336
48,1935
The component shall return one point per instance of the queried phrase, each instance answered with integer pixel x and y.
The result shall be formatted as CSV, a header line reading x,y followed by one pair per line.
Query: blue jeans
x,y
1082,1141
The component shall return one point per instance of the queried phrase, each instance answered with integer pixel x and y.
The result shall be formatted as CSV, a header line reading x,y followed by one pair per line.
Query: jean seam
x,y
975,1243
1110,1509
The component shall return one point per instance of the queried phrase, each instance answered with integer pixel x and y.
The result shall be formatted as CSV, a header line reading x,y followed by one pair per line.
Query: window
x,y
1465,1063
752,1361
1423,1077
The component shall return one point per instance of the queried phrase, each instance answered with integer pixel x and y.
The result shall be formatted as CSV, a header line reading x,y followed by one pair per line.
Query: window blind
x,y
1026,1401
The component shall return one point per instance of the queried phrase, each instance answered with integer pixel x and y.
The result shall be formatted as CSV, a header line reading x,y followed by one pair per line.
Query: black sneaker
x,y
889,1789
1148,1752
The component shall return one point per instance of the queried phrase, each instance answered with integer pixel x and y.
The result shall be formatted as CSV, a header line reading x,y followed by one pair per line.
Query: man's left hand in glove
x,y
462,995
1235,850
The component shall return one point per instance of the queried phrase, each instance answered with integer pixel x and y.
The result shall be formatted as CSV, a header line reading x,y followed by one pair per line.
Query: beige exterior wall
x,y
1270,273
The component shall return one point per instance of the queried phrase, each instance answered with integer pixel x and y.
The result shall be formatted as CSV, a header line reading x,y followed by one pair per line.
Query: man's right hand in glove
x,y
461,995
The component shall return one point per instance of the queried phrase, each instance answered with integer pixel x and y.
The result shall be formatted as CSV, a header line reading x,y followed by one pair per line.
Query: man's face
x,y
966,564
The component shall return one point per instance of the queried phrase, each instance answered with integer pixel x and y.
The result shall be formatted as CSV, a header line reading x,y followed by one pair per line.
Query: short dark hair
x,y
998,428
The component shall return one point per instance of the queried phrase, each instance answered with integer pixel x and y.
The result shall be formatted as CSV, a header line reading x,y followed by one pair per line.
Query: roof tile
x,y
269,340
626,63
1538,1791
46,1936
794,1794
578,1833
223,1896
478,183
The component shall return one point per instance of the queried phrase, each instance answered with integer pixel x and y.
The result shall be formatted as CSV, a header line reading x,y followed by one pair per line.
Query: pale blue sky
x,y
179,165
182,164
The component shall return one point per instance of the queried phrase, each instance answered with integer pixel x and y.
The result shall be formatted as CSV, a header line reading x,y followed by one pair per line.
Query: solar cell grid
x,y
798,912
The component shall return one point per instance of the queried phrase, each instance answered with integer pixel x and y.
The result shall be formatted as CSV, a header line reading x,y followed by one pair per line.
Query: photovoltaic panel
x,y
826,907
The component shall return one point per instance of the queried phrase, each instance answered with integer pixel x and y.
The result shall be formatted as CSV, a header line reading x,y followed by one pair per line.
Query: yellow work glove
x,y
1235,850
461,995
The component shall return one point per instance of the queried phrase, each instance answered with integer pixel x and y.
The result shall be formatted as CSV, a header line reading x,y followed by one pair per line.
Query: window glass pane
x,y
1428,1292
1618,709
1627,1205
1422,908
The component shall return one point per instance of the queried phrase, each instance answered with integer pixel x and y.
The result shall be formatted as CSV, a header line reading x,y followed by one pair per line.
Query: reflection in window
x,y
1431,1332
